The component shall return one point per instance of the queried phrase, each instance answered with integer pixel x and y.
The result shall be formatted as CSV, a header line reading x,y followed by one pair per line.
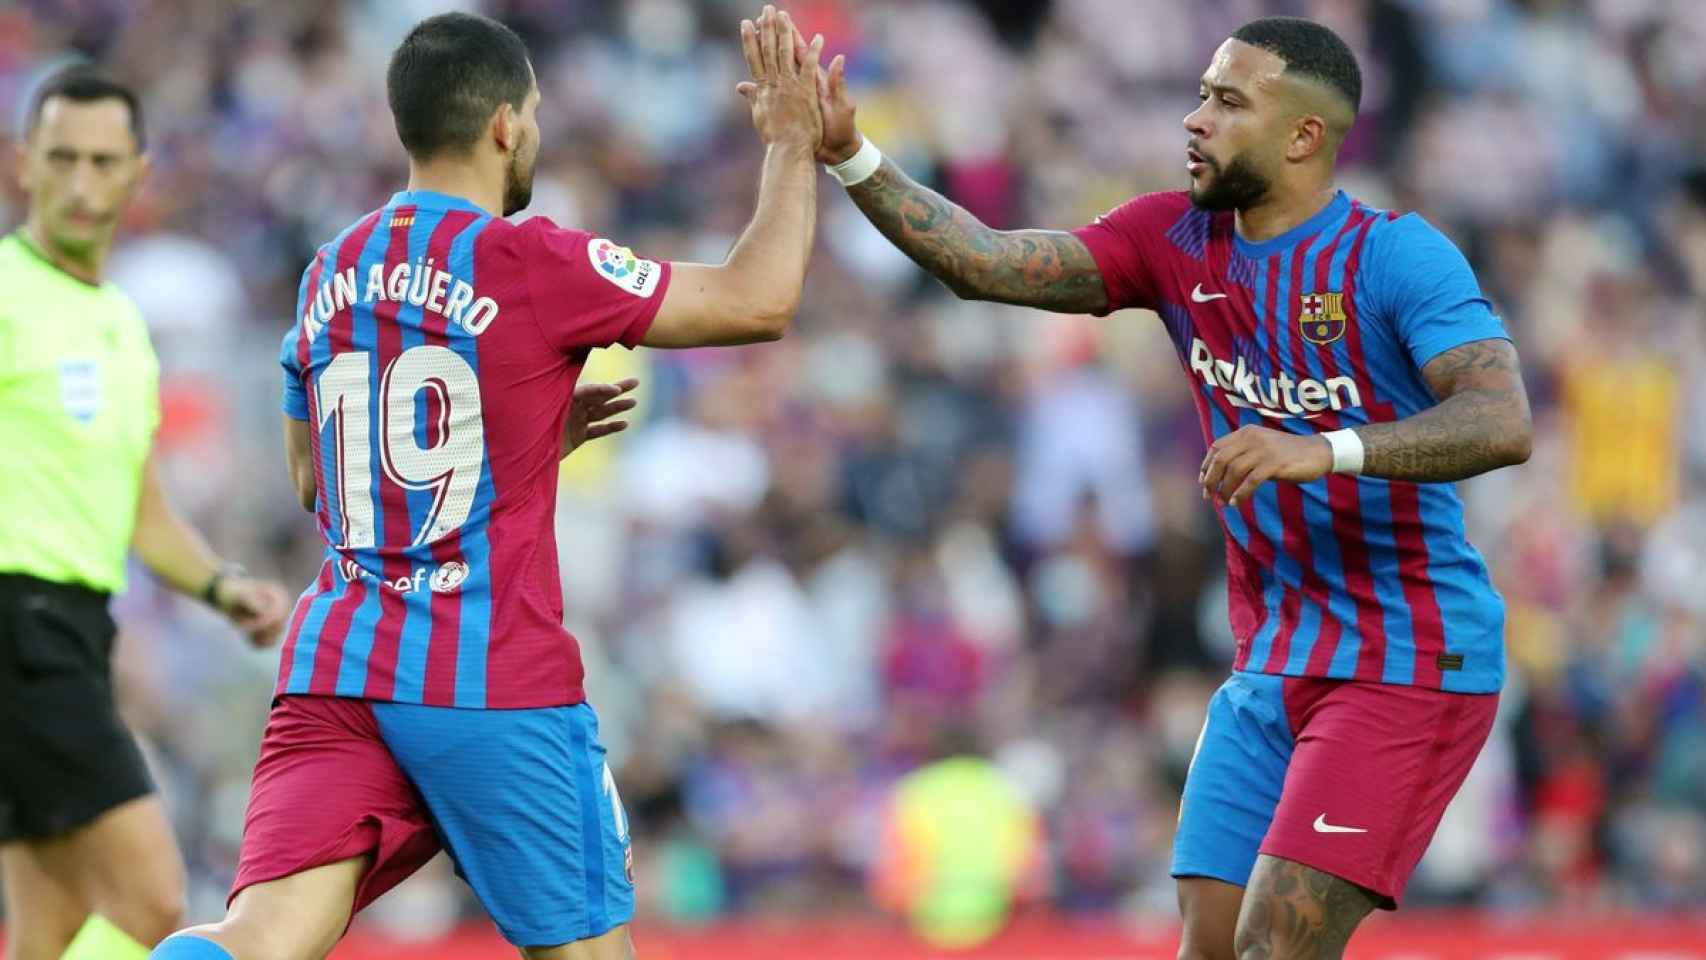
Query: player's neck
x,y
87,269
458,179
1281,212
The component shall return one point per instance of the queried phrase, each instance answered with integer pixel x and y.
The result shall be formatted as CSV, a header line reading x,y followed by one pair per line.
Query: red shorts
x,y
1348,777
326,789
522,800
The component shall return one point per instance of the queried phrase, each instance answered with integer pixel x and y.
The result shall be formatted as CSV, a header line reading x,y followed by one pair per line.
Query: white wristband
x,y
1347,450
859,167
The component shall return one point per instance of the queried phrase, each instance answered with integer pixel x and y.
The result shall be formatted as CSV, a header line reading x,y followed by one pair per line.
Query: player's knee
x,y
1258,938
158,903
148,904
159,912
251,938
1195,950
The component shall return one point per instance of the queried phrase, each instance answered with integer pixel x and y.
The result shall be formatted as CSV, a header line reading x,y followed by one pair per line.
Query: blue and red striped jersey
x,y
1323,327
434,356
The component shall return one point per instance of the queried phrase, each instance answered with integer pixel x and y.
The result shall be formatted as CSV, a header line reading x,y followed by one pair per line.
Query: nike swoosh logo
x,y
1322,826
1199,297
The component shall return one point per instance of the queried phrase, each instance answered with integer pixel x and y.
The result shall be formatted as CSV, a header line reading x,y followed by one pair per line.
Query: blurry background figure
x,y
959,842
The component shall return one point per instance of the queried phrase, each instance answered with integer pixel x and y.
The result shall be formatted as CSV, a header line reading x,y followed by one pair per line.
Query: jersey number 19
x,y
447,462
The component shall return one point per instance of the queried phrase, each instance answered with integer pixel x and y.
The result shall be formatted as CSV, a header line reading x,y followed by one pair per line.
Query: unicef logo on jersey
x,y
350,570
447,578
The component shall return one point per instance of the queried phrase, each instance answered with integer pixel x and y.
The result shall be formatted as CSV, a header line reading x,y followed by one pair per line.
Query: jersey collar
x,y
1334,209
22,239
434,200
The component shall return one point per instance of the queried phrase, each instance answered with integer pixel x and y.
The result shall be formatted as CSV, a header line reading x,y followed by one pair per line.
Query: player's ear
x,y
506,127
1308,137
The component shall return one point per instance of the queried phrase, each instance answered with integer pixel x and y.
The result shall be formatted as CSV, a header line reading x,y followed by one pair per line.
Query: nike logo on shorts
x,y
1197,296
1322,826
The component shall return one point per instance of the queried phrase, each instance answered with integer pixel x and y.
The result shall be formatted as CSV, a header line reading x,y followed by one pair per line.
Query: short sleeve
x,y
1122,242
295,401
588,291
1424,284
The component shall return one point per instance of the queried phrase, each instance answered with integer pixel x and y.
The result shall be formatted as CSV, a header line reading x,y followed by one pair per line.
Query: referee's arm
x,y
177,554
169,546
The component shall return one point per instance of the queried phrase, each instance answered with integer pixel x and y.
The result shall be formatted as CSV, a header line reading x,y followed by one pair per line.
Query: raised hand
x,y
591,412
783,91
841,138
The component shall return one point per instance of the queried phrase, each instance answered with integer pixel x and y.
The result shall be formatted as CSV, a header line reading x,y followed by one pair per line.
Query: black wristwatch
x,y
210,593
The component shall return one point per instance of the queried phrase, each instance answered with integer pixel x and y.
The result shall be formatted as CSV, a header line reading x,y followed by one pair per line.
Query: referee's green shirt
x,y
79,403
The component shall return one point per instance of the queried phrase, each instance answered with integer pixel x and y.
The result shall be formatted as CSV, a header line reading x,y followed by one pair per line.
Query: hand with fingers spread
x,y
591,412
783,91
1248,457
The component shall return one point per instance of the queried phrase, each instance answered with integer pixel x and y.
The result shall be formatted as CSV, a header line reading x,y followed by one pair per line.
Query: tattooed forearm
x,y
1480,424
1295,912
1034,268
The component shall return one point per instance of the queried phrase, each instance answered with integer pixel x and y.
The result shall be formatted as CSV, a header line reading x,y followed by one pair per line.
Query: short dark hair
x,y
448,75
85,83
1308,49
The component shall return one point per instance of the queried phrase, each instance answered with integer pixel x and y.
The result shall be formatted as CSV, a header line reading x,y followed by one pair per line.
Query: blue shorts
x,y
1348,777
522,800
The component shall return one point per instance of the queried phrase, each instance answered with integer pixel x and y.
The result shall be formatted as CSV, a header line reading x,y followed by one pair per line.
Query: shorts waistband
x,y
14,584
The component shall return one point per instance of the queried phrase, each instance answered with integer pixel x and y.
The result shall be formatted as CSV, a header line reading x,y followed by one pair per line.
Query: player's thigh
x,y
126,866
1209,909
327,790
43,911
1374,768
615,945
1296,912
1235,781
298,917
529,813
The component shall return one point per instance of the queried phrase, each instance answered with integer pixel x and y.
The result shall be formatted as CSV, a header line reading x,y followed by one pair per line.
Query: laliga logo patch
x,y
619,265
449,576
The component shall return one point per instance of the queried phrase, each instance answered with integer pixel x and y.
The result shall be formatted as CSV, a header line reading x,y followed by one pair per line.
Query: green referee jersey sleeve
x,y
79,404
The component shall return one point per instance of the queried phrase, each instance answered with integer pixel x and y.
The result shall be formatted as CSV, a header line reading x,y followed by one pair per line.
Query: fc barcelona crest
x,y
1322,318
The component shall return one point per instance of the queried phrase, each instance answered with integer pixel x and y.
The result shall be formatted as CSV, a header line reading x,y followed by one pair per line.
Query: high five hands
x,y
783,93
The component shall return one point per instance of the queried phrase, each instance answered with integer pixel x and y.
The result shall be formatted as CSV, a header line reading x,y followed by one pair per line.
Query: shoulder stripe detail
x,y
1190,232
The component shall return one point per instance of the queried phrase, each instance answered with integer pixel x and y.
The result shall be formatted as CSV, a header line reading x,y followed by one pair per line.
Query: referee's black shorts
x,y
65,758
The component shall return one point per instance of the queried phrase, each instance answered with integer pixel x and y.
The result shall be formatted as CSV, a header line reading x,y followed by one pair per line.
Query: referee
x,y
88,862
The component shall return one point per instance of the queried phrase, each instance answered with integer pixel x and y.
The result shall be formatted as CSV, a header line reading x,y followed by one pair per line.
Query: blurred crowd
x,y
918,527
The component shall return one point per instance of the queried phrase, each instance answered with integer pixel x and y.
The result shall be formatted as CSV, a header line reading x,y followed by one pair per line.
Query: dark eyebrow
x,y
73,153
1222,89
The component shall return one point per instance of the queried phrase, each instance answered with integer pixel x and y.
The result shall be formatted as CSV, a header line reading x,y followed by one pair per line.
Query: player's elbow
x,y
1521,444
1518,439
771,320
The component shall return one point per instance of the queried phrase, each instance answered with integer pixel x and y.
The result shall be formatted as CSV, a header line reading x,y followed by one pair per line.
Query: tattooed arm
x,y
1481,422
1049,269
